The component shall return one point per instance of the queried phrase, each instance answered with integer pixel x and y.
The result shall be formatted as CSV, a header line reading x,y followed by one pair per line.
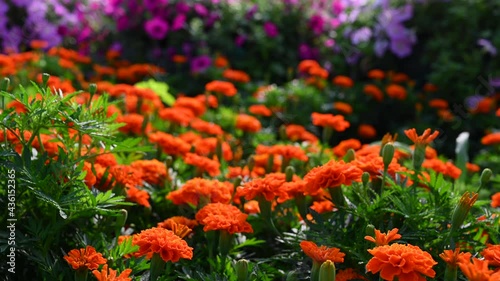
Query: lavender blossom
x,y
156,28
487,46
270,29
200,64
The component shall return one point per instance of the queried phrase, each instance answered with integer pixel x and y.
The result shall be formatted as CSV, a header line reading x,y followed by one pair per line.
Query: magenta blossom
x,y
200,64
156,28
270,29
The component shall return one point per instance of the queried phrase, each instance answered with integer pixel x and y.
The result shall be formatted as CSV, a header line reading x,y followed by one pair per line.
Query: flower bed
x,y
112,175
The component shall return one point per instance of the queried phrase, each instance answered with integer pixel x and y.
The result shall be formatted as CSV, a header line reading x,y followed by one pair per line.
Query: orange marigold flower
x,y
424,139
337,122
223,87
439,103
495,200
472,168
348,274
179,59
289,190
382,239
133,124
171,145
331,175
212,190
492,254
207,146
322,206
260,109
251,207
164,242
205,164
236,75
86,257
343,107
218,216
430,88
396,91
39,44
178,115
477,270
398,77
153,171
318,71
320,254
221,62
343,81
305,65
179,229
90,178
286,151
341,149
374,165
298,132
211,100
484,106
203,126
248,123
406,262
126,176
111,275
453,257
498,113
376,74
180,220
193,104
447,169
373,91
491,139
138,196
367,131
267,187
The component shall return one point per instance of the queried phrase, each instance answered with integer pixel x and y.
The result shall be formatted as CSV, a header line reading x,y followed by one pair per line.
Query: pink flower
x,y
156,28
271,29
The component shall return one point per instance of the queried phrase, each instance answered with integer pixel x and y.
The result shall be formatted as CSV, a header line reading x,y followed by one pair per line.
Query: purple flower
x,y
487,46
329,43
200,64
178,22
187,48
317,23
270,29
182,8
200,10
495,82
306,52
471,102
251,12
122,23
156,28
380,47
240,40
361,35
401,47
337,7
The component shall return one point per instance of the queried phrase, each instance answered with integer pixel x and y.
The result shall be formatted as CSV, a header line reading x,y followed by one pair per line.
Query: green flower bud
x,y
5,84
45,79
485,178
370,230
289,172
327,271
241,268
365,178
349,156
251,163
92,89
387,154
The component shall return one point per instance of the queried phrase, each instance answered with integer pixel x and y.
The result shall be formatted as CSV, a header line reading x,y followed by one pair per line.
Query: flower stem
x,y
157,267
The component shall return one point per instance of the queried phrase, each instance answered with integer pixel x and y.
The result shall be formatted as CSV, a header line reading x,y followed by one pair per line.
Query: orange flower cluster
x,y
439,103
218,216
424,139
86,257
171,145
178,220
495,200
177,115
491,139
204,164
367,131
260,109
223,87
447,169
492,254
382,239
406,262
376,74
337,122
343,81
196,106
374,165
191,192
248,123
331,175
133,124
343,107
267,187
208,146
152,171
396,91
286,151
298,132
164,242
206,127
111,275
320,254
236,75
341,149
373,91
289,190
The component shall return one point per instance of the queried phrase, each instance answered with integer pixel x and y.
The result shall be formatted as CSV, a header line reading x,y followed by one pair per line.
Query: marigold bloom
x,y
429,88
236,75
341,149
373,91
194,189
320,254
177,115
248,123
289,190
205,164
472,168
171,145
260,109
396,92
207,146
179,59
498,112
495,200
491,139
484,106
86,257
477,270
134,123
152,171
111,275
376,74
424,139
298,132
203,126
90,178
406,262
138,196
382,239
164,242
223,87
453,257
492,254
331,175
305,65
251,207
348,274
221,62
374,165
318,71
398,77
286,151
179,220
218,216
343,81
125,175
267,187
211,100
337,122
343,107
322,206
367,131
439,103
447,169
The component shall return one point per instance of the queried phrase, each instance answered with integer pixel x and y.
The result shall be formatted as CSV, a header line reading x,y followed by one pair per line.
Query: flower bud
x,y
327,271
251,164
289,172
4,86
462,209
241,268
485,178
282,132
168,161
349,156
387,154
92,89
370,230
45,79
365,178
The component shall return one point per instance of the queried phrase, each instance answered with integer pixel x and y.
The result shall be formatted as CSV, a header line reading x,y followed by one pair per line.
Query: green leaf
x,y
160,88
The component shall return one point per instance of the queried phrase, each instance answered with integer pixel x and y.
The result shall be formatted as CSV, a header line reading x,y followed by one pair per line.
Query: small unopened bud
x,y
289,172
251,163
241,268
92,89
365,178
485,178
327,271
282,132
462,209
4,86
370,230
349,156
45,79
168,161
387,154
237,182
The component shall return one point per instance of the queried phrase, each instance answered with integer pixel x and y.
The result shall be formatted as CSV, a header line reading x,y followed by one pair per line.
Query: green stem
x,y
157,267
81,274
450,273
315,271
